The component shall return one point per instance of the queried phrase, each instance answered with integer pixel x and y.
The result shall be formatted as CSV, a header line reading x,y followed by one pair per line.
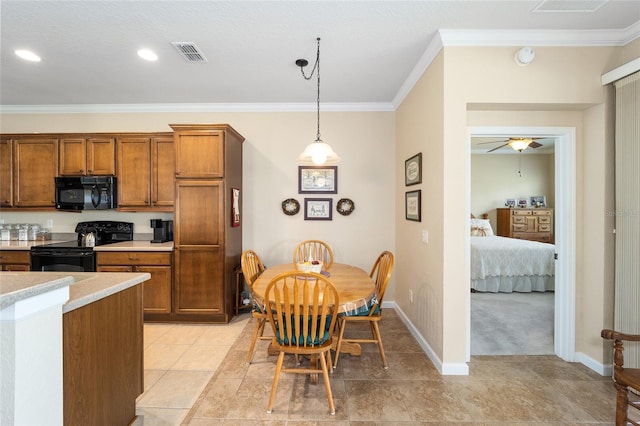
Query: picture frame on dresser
x,y
538,201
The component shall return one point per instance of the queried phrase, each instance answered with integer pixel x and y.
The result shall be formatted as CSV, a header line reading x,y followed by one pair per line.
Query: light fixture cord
x,y
316,66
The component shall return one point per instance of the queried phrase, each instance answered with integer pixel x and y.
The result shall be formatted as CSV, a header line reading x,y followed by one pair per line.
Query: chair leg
x,y
378,337
257,331
276,378
343,325
327,384
622,400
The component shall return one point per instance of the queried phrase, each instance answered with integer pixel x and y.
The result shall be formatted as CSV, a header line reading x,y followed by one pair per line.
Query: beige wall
x,y
364,140
494,178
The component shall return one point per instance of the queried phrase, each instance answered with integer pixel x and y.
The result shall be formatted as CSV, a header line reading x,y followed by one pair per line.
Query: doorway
x,y
565,233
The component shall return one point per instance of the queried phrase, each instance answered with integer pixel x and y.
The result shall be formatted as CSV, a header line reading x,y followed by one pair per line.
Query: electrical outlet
x,y
411,296
425,236
49,223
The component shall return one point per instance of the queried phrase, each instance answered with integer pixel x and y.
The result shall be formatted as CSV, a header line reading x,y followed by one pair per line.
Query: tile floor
x,y
196,375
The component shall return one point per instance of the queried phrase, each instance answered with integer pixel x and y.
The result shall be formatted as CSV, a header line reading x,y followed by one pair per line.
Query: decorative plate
x,y
290,206
345,206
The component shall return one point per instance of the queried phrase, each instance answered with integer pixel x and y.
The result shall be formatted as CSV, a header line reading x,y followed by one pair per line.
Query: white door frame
x,y
564,232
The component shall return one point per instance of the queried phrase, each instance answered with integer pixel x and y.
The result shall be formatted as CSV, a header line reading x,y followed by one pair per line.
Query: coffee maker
x,y
162,230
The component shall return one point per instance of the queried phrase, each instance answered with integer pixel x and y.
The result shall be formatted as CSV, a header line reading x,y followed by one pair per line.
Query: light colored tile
x,y
200,357
219,336
183,334
151,377
161,356
176,389
161,416
154,332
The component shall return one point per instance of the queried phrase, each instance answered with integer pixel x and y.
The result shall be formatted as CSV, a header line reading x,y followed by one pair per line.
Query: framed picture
x,y
318,208
413,205
413,170
538,201
235,207
317,179
522,202
510,202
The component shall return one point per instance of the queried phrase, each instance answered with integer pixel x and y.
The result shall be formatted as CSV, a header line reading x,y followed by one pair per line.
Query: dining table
x,y
355,291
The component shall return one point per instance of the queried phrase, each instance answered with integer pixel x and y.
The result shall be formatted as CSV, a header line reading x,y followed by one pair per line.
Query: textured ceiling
x,y
368,49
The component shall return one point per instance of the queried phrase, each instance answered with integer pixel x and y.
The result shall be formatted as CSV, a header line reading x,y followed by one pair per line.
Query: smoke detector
x,y
189,51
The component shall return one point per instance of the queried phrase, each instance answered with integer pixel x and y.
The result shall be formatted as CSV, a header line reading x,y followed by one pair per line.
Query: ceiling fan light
x,y
318,153
520,144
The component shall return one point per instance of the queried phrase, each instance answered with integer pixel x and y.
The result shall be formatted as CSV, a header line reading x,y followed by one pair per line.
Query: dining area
x,y
302,310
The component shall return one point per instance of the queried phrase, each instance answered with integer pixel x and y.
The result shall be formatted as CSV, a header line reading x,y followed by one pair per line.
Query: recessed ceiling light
x,y
28,55
147,55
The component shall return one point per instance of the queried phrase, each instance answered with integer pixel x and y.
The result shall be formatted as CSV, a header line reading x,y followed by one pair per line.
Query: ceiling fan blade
x,y
535,144
484,143
498,147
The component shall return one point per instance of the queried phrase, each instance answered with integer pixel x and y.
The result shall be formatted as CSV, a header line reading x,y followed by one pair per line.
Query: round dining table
x,y
355,290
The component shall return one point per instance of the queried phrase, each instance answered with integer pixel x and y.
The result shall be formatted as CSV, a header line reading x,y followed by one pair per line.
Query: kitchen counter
x,y
26,245
135,246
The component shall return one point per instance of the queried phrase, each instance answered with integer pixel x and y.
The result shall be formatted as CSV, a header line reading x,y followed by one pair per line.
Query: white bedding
x,y
500,264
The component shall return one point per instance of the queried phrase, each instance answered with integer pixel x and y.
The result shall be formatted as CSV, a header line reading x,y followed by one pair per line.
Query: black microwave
x,y
78,193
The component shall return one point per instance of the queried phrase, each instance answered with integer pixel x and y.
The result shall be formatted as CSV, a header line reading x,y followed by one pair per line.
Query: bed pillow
x,y
481,228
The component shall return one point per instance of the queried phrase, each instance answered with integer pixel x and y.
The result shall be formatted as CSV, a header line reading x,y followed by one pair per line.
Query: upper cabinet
x,y
6,173
146,173
87,156
200,150
34,172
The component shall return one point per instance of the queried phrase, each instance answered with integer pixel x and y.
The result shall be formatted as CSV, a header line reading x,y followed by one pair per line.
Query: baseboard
x,y
446,369
598,367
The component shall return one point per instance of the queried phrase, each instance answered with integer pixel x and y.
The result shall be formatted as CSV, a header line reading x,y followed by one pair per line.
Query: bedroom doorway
x,y
565,233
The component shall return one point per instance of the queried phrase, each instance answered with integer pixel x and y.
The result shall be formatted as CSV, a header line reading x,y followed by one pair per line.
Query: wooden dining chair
x,y
252,267
380,273
318,250
625,379
302,312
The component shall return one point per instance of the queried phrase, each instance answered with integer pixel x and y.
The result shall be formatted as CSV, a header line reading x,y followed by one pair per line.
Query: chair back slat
x,y
252,266
301,308
317,250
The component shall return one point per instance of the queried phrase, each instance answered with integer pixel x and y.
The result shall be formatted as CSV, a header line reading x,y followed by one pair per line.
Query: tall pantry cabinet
x,y
207,246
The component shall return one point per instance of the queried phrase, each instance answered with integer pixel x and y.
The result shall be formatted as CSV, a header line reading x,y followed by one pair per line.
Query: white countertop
x,y
84,287
121,246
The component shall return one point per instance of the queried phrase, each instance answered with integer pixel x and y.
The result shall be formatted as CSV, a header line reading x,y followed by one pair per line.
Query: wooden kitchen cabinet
x,y
526,224
15,260
6,173
35,165
157,290
146,170
87,156
208,247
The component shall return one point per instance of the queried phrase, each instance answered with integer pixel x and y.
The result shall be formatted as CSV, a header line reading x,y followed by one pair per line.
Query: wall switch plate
x,y
411,296
49,223
425,236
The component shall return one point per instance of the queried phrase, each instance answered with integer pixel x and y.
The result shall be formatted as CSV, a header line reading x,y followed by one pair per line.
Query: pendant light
x,y
317,153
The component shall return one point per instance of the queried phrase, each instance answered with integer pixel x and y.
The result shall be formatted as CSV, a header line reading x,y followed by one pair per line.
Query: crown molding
x,y
209,107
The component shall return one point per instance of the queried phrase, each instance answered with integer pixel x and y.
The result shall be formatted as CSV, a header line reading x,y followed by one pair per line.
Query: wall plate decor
x,y
290,206
345,206
318,208
235,207
413,170
317,179
413,205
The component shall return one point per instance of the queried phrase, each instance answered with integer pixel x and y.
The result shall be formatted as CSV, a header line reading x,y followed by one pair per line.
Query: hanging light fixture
x,y
317,152
520,144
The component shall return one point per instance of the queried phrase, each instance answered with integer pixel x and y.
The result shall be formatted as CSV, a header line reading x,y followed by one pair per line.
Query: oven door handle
x,y
61,254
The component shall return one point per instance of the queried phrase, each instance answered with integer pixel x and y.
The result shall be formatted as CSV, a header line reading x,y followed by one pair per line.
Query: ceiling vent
x,y
189,51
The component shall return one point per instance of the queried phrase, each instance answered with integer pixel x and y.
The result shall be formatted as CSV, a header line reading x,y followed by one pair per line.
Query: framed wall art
x,y
413,205
318,208
317,179
413,170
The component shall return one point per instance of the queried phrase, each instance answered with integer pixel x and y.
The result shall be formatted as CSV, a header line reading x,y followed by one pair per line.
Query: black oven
x,y
76,255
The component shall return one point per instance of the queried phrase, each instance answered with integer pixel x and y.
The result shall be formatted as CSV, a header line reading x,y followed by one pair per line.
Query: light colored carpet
x,y
512,323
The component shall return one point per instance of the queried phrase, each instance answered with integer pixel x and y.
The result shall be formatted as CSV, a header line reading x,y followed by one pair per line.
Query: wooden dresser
x,y
534,224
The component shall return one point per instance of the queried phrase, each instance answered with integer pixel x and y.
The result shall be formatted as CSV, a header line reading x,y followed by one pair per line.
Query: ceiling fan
x,y
518,144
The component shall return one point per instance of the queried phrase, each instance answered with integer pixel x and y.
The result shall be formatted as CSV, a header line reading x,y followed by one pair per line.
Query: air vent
x,y
189,51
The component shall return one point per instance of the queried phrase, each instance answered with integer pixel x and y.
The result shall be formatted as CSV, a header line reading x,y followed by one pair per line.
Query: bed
x,y
500,264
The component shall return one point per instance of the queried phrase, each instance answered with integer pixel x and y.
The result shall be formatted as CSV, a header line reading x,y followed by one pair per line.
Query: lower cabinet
x,y
11,260
156,291
200,292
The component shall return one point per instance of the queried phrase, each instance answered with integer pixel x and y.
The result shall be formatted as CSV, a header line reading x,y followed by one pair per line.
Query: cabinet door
x,y
101,156
199,213
121,268
6,173
199,154
73,157
199,281
156,292
163,172
35,163
134,172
